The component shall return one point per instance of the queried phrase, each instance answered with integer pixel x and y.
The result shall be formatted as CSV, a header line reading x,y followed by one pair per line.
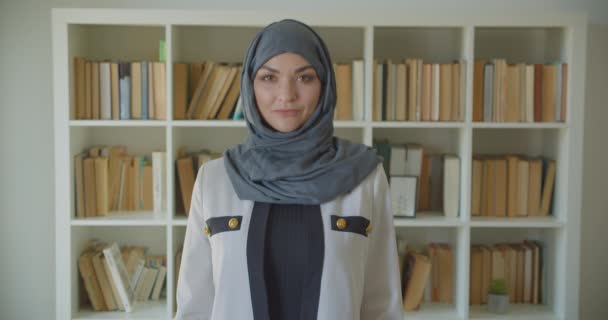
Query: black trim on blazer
x,y
255,260
255,263
220,224
354,224
312,287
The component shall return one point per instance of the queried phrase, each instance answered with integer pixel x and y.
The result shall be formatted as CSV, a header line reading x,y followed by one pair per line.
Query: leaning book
x,y
119,275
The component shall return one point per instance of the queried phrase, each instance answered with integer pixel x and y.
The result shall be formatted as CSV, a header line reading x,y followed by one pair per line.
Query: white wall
x,y
594,282
26,139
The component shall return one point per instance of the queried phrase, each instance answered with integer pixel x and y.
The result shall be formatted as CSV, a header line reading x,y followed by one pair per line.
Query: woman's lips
x,y
287,112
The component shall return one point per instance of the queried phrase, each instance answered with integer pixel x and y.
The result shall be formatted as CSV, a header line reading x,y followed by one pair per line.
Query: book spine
x,y
158,181
144,91
125,91
120,286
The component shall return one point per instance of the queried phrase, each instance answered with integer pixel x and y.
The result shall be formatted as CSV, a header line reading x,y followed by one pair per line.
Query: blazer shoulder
x,y
376,175
213,173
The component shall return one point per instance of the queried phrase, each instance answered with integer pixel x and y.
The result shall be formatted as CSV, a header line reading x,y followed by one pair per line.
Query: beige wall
x,y
27,232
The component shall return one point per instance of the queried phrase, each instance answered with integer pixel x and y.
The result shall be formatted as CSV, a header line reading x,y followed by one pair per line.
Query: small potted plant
x,y
498,296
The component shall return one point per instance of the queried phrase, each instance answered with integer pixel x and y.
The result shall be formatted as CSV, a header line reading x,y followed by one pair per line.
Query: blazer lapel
x,y
255,260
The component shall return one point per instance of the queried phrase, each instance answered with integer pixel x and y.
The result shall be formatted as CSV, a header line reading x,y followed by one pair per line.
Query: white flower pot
x,y
498,303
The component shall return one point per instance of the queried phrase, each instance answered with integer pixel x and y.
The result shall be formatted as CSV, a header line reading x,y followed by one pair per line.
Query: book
x,y
105,91
145,110
91,283
344,104
125,90
403,195
180,90
451,185
186,177
104,282
358,74
419,273
119,275
136,90
159,174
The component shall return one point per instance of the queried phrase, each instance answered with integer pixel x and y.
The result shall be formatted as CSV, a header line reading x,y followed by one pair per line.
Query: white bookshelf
x,y
194,36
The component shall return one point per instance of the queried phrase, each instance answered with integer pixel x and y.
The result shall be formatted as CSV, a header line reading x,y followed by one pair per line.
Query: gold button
x,y
233,223
368,229
341,224
207,231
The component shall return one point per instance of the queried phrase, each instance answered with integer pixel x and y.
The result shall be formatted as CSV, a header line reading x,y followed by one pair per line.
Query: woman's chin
x,y
286,126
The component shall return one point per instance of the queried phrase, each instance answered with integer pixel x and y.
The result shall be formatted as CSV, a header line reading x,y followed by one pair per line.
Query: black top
x,y
292,243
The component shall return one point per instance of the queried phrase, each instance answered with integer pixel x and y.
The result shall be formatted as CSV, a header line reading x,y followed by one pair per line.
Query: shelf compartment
x,y
139,141
109,43
553,256
152,237
419,238
530,143
432,44
115,42
534,44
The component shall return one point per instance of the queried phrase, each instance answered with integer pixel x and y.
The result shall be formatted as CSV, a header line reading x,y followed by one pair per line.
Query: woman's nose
x,y
287,90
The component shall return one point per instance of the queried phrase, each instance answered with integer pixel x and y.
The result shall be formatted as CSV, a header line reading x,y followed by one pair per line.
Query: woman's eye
x,y
267,77
306,78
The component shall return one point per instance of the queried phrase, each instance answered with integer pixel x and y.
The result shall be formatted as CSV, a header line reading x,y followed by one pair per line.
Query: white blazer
x,y
360,274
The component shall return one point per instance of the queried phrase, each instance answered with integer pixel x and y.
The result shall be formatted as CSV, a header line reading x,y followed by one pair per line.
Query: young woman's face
x,y
287,90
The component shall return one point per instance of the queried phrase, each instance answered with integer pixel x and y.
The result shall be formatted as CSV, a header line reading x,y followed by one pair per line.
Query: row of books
x,y
208,90
119,90
419,180
519,92
512,186
117,278
519,264
107,179
426,275
187,165
412,90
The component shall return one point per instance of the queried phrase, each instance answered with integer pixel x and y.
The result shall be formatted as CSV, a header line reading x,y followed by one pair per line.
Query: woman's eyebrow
x,y
298,70
303,68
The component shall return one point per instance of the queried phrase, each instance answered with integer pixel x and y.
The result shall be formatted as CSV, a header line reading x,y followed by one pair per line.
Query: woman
x,y
294,223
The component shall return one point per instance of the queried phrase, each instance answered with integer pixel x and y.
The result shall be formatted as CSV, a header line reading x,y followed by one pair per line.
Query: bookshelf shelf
x,y
117,123
428,219
432,311
523,222
516,312
144,311
209,123
241,123
417,124
198,36
507,125
126,218
179,221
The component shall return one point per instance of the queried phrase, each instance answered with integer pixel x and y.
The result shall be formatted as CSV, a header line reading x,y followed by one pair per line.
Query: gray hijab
x,y
305,166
